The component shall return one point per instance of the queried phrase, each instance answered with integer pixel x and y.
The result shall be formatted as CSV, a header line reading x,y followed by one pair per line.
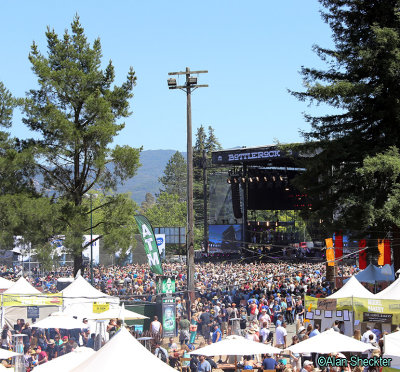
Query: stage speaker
x,y
237,210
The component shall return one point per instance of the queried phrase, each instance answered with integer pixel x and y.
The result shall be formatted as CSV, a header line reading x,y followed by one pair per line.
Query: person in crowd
x,y
156,327
315,331
6,338
295,358
281,334
203,365
269,362
365,336
161,353
184,326
307,366
42,355
52,350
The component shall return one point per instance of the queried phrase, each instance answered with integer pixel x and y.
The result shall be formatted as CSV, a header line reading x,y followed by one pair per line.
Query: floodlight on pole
x,y
188,87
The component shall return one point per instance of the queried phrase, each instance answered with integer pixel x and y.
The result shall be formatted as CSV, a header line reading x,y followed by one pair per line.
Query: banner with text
x,y
150,244
43,299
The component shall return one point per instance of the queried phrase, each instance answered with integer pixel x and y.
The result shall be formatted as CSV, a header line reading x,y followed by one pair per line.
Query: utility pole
x,y
190,85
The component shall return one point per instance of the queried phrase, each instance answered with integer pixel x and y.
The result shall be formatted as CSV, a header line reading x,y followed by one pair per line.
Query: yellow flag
x,y
330,253
381,248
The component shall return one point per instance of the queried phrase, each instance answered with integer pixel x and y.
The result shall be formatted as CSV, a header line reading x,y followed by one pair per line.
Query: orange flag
x,y
330,253
381,248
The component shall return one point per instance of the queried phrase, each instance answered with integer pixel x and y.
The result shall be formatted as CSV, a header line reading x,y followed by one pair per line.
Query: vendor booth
x,y
23,301
356,308
81,298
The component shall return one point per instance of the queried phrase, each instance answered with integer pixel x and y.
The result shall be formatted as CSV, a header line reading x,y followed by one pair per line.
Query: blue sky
x,y
253,51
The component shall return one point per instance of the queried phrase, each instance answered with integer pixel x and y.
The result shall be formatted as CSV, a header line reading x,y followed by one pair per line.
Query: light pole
x,y
188,87
90,196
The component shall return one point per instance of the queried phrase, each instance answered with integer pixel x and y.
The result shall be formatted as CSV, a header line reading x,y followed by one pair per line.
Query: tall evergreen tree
x,y
75,112
175,174
362,84
208,143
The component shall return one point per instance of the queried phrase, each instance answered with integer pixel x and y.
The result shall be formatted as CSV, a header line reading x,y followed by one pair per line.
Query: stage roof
x,y
270,155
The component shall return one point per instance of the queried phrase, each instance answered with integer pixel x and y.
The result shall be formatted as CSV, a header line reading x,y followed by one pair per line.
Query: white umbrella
x,y
330,341
117,313
59,320
5,354
236,345
123,353
66,362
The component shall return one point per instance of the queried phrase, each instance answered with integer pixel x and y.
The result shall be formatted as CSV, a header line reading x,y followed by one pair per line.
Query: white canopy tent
x,y
330,341
22,287
66,362
122,353
390,293
236,345
79,297
5,283
392,349
353,288
5,354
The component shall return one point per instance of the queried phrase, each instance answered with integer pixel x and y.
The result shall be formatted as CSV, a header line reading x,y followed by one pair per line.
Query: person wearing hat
x,y
264,317
42,355
307,366
52,350
301,333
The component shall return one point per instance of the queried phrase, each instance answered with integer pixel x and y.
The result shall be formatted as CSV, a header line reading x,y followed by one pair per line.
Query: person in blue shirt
x,y
217,334
315,332
269,362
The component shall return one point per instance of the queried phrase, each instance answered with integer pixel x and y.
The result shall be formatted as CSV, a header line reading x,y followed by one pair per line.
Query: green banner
x,y
150,244
165,284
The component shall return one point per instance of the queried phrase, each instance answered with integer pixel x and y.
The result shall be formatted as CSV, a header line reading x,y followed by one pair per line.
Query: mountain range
x,y
146,180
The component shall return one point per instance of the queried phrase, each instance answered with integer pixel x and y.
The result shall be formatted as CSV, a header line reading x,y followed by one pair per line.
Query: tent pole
x,y
235,363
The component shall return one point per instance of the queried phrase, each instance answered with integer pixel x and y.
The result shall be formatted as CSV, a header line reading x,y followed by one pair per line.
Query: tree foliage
x,y
75,112
175,174
361,84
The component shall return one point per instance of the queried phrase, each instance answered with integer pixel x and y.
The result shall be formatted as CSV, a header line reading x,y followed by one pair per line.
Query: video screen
x,y
225,238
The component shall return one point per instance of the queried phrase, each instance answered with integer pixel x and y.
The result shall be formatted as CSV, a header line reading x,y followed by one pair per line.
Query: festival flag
x,y
381,248
362,254
387,254
150,244
330,253
338,247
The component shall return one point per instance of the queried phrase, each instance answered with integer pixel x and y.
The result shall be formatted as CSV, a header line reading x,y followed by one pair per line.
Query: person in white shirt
x,y
264,332
365,336
264,318
281,335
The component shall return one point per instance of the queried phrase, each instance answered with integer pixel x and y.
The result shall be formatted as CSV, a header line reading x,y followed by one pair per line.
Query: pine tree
x,y
75,112
361,84
175,174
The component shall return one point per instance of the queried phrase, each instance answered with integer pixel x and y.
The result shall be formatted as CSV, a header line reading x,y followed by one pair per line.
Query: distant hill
x,y
153,164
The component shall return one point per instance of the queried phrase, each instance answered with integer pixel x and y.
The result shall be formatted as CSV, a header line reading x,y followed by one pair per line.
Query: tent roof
x,y
390,293
121,351
65,362
81,288
392,348
374,274
352,288
330,341
23,287
5,283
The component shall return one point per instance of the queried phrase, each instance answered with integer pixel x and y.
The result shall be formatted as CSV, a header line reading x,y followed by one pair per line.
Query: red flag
x,y
338,247
387,253
362,254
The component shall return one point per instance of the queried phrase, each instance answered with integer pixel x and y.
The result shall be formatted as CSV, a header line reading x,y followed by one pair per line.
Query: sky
x,y
253,51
